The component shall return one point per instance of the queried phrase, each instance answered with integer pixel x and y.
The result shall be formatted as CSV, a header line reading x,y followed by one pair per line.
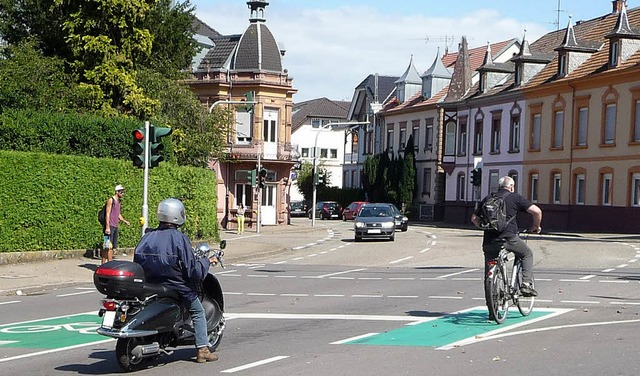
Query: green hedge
x,y
50,202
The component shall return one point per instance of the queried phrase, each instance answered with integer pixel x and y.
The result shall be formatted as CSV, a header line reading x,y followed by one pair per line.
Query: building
x,y
248,67
311,129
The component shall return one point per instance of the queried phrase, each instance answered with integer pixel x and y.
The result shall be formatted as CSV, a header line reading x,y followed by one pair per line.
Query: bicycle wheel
x,y
496,295
524,303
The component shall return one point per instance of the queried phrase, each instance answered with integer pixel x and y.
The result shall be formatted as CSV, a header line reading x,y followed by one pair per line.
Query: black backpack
x,y
493,213
102,213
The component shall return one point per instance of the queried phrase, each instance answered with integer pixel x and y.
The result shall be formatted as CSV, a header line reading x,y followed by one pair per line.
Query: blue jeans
x,y
199,323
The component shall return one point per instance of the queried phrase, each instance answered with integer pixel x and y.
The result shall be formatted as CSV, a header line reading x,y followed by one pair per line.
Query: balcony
x,y
281,151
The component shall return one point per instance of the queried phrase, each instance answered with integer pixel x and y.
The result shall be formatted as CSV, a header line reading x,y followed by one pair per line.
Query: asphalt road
x,y
330,306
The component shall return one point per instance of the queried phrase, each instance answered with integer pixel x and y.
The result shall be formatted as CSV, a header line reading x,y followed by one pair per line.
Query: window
x,y
535,132
403,136
460,187
428,138
305,152
562,65
462,138
557,180
244,195
613,58
493,180
269,130
426,182
389,139
477,138
416,135
333,153
315,123
635,190
323,153
514,134
514,175
636,124
580,189
243,127
450,139
606,189
583,118
534,188
558,130
609,125
495,135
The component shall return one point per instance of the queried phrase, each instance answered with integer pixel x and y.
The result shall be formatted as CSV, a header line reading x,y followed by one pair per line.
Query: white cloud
x,y
329,52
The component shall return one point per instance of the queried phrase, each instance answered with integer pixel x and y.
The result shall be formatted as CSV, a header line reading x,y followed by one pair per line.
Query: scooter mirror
x,y
223,244
202,250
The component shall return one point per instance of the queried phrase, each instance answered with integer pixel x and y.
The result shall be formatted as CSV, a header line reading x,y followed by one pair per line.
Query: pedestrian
x,y
240,218
493,241
113,217
167,258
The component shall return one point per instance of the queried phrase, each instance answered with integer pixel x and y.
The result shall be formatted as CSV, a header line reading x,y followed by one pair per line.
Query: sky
x,y
333,45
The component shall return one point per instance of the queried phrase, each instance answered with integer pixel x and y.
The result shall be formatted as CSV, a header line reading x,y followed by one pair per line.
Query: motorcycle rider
x,y
167,257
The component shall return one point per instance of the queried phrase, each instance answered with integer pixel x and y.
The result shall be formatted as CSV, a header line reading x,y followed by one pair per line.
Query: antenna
x,y
447,39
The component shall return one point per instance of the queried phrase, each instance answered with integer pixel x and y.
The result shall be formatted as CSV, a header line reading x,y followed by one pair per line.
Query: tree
x,y
407,186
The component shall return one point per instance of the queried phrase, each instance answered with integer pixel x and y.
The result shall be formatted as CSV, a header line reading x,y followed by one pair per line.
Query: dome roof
x,y
257,48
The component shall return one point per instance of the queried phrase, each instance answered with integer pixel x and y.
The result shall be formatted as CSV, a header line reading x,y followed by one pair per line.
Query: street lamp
x,y
340,126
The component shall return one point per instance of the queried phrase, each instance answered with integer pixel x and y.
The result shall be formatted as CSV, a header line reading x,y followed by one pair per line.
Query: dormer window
x,y
518,75
481,84
562,65
615,52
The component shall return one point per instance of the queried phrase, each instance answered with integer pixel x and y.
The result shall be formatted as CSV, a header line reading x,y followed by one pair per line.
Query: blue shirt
x,y
166,255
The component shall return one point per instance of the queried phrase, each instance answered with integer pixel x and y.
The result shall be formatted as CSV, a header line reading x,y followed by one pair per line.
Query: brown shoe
x,y
204,355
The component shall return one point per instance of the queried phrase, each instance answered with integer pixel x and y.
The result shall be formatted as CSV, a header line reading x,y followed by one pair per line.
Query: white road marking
x,y
254,364
259,294
10,302
329,296
608,270
401,279
343,278
369,278
322,316
401,260
257,276
75,293
622,266
404,296
285,276
353,339
458,273
366,296
338,273
444,297
580,301
226,272
588,276
425,250
293,295
610,281
624,303
573,280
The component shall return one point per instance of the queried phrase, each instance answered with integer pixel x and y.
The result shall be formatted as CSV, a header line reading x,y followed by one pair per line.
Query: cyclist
x,y
167,258
493,241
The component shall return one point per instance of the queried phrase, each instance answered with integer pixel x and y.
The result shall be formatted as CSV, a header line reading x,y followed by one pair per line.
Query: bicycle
x,y
502,290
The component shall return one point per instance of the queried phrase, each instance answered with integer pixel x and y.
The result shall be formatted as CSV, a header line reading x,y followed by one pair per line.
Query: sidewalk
x,y
33,272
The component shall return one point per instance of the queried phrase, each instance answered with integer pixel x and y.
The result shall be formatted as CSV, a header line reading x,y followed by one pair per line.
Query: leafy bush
x,y
50,202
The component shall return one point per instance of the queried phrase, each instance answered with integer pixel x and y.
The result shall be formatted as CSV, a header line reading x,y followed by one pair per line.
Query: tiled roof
x,y
219,54
318,108
204,29
593,30
476,55
258,50
386,85
415,103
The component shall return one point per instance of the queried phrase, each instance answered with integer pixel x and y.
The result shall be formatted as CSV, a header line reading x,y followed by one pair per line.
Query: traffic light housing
x,y
476,177
321,177
261,177
155,144
251,177
137,155
249,97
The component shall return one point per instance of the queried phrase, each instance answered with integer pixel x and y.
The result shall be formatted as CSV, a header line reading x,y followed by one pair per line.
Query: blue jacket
x,y
166,255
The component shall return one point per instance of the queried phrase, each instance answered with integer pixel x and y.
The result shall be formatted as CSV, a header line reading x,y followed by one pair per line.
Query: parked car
x,y
351,211
401,220
374,221
327,210
298,209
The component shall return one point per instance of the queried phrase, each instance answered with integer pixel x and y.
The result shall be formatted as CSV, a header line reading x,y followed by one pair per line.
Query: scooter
x,y
148,319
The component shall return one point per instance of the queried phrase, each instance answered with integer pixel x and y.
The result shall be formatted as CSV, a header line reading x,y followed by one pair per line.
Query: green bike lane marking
x,y
52,333
453,330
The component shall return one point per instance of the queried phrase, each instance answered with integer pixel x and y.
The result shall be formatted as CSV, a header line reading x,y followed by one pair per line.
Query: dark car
x,y
401,220
374,221
298,209
351,211
327,210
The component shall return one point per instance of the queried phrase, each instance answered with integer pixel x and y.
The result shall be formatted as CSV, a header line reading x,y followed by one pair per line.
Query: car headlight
x,y
388,224
359,224
405,219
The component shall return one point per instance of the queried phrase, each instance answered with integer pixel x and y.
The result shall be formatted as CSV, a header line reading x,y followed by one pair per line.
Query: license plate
x,y
108,319
334,216
374,231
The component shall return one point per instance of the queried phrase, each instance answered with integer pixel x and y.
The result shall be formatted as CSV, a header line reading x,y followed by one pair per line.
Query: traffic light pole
x,y
145,184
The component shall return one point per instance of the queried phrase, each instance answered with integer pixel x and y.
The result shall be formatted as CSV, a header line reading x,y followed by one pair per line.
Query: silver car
x,y
375,221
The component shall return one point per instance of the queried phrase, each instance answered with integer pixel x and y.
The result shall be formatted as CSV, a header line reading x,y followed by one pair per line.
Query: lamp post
x,y
315,158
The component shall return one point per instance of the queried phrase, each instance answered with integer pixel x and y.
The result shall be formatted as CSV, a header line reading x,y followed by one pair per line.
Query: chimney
x,y
617,5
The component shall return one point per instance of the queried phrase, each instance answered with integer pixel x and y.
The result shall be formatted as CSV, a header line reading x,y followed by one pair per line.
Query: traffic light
x,y
321,177
251,176
155,145
261,177
137,156
476,177
249,97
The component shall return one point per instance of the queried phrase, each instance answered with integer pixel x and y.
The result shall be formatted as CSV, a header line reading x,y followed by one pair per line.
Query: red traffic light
x,y
138,135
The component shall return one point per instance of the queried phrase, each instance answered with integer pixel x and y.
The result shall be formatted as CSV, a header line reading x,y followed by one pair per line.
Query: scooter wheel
x,y
126,359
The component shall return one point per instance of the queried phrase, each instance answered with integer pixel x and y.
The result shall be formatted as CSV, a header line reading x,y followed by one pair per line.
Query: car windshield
x,y
296,205
375,211
331,205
